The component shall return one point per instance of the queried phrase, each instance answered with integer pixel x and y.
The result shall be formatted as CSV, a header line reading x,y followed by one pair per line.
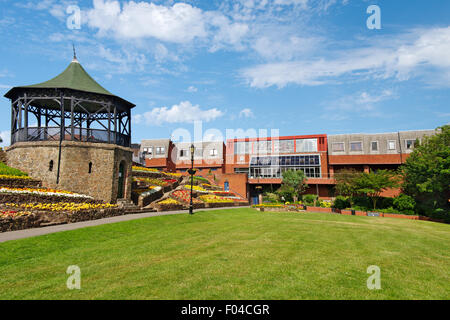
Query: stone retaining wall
x,y
46,218
20,183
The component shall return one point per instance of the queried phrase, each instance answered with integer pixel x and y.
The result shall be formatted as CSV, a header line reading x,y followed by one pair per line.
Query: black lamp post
x,y
191,171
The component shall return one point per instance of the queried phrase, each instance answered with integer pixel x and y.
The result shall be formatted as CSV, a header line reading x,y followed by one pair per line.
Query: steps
x,y
130,207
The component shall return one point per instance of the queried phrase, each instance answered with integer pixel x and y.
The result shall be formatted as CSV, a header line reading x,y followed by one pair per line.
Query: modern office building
x,y
251,166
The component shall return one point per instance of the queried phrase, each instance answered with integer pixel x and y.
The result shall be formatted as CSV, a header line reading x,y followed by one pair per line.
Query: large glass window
x,y
306,145
283,146
274,166
263,147
242,147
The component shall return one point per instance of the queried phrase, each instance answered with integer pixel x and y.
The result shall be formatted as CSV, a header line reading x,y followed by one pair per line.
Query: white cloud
x,y
191,89
407,58
276,47
246,113
362,103
184,112
179,23
6,137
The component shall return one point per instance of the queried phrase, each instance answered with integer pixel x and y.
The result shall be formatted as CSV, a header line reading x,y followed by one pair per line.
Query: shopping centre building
x,y
251,166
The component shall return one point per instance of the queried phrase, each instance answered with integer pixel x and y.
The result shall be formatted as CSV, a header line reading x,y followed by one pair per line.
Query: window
x,y
391,145
50,166
90,167
263,146
241,147
409,144
183,153
274,166
337,147
241,170
374,146
160,150
306,145
213,152
283,146
356,146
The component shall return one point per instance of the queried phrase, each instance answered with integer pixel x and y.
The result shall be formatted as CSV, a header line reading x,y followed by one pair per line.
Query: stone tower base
x,y
87,168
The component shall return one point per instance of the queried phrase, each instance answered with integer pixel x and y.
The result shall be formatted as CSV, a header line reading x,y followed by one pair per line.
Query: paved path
x,y
20,234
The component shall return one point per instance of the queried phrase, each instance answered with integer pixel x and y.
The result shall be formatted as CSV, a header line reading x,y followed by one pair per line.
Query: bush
x,y
393,210
309,199
363,203
271,197
404,202
386,203
341,202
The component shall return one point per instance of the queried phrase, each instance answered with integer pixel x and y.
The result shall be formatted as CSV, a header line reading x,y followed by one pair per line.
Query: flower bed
x,y
184,196
196,188
61,206
224,193
209,198
43,192
38,198
169,205
136,168
151,181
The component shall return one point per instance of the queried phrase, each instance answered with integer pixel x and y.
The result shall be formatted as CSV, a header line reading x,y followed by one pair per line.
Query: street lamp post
x,y
192,172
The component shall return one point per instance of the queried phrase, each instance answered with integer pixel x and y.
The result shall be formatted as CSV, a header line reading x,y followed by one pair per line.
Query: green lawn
x,y
234,254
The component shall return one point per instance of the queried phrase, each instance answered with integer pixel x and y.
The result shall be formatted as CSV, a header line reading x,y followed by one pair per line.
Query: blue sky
x,y
298,66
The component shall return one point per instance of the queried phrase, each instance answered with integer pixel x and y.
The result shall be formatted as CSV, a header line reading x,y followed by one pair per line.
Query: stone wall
x,y
101,183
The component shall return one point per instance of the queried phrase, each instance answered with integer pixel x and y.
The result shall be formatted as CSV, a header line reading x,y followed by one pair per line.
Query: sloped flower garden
x,y
24,203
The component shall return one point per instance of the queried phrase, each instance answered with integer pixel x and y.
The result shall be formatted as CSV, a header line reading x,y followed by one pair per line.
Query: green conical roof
x,y
74,77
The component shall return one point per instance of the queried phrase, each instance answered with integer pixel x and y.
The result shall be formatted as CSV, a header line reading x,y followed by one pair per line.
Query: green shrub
x,y
364,203
386,202
341,202
270,197
396,211
404,202
310,199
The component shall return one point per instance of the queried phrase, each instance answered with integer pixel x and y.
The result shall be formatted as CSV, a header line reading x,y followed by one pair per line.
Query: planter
x,y
319,209
374,214
346,212
401,216
360,213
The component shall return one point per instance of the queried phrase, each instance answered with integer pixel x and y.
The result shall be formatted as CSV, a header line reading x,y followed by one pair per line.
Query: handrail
x,y
83,135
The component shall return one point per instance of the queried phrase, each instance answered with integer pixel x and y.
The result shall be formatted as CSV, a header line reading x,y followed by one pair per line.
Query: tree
x,y
294,180
374,183
426,173
346,183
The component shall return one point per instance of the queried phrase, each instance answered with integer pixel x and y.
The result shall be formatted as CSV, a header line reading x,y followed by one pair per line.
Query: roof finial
x,y
74,53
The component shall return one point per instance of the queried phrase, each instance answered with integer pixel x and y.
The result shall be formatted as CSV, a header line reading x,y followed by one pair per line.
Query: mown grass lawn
x,y
234,254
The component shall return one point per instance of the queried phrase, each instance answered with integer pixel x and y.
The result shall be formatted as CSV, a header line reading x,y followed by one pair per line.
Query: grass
x,y
234,254
5,170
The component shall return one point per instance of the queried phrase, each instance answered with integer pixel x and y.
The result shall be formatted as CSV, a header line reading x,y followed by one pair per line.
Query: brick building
x,y
251,166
